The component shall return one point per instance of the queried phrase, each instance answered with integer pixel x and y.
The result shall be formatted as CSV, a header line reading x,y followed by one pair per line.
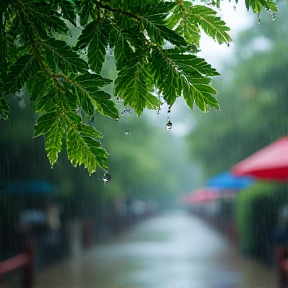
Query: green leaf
x,y
86,9
42,16
258,5
153,17
54,99
123,51
126,44
36,91
68,10
166,75
134,85
190,64
212,25
52,126
89,131
43,123
199,92
4,109
24,68
59,56
83,149
95,37
181,19
177,73
47,101
86,86
104,105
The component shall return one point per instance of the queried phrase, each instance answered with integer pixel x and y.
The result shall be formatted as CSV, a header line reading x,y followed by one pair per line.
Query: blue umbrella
x,y
228,181
29,187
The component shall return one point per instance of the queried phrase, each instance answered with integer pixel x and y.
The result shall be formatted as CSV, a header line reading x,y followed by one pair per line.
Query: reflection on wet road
x,y
173,250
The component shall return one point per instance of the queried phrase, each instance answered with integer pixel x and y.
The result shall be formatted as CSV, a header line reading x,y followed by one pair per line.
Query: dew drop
x,y
106,177
168,124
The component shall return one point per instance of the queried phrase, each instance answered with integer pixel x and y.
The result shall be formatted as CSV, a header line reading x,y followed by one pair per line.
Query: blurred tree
x,y
154,44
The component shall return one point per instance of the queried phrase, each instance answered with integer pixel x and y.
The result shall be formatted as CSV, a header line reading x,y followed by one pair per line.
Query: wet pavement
x,y
171,250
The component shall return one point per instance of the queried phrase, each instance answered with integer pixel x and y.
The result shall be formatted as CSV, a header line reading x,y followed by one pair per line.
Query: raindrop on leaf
x,y
126,111
106,177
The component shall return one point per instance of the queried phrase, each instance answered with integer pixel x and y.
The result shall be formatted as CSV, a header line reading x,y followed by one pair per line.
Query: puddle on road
x,y
173,250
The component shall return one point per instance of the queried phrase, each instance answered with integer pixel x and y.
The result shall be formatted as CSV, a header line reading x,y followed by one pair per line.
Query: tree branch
x,y
128,14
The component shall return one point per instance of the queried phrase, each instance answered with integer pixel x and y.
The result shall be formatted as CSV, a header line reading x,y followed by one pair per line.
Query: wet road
x,y
173,250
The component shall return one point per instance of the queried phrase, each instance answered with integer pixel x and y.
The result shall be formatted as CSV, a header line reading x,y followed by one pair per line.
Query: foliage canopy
x,y
155,45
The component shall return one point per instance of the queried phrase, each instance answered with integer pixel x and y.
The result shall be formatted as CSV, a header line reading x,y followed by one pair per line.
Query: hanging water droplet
x,y
274,17
169,109
234,7
258,20
228,45
168,124
158,110
127,132
52,167
106,177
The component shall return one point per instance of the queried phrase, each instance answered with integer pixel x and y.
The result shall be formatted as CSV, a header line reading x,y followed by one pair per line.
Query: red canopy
x,y
200,195
269,163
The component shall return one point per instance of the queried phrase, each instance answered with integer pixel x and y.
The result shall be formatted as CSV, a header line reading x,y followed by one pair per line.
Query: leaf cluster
x,y
154,43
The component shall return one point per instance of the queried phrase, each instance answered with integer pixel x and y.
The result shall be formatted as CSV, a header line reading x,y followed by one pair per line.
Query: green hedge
x,y
256,216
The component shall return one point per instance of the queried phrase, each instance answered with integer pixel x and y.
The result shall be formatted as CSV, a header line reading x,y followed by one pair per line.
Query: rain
x,y
182,205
